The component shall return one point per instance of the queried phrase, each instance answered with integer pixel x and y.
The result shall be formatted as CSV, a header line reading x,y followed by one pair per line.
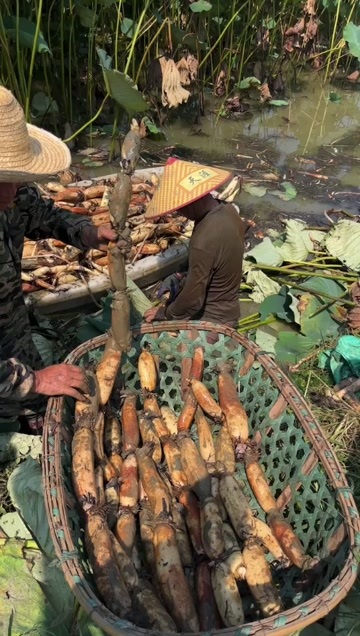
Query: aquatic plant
x,y
72,61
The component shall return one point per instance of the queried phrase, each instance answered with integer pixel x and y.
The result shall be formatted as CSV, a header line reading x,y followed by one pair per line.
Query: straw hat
x,y
182,183
27,152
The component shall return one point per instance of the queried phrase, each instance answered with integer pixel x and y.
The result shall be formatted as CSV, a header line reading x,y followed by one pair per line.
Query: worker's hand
x,y
99,237
105,234
61,379
171,285
155,313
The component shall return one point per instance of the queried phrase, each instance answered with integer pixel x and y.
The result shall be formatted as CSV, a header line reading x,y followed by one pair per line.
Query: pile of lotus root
x,y
50,264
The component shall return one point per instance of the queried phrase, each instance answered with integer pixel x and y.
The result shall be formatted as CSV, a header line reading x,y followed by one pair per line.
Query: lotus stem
x,y
249,318
147,49
333,302
88,123
286,270
135,38
315,292
323,258
208,54
32,61
256,325
315,265
333,36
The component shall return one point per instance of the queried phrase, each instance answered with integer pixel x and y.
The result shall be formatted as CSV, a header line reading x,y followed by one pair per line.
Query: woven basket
x,y
303,472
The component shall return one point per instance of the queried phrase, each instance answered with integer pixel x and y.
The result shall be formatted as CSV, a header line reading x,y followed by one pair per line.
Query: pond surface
x,y
313,143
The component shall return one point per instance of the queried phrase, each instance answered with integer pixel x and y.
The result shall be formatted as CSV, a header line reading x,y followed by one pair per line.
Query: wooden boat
x,y
144,272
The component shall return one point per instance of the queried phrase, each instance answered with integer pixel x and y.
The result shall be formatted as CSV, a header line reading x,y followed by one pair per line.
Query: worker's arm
x,y
16,379
192,297
43,219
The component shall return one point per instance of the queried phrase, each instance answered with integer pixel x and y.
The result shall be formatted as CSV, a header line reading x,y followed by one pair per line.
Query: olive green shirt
x,y
211,290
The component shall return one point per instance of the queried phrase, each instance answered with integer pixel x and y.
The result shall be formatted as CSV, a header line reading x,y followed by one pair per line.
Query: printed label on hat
x,y
196,178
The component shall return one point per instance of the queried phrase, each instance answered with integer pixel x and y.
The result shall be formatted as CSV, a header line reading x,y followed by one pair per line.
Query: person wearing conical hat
x,y
27,154
211,288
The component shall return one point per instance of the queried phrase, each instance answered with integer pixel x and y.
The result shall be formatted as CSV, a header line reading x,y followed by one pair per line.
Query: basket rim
x,y
283,624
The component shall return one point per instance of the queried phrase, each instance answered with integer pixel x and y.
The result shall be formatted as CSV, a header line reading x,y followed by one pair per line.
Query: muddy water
x,y
312,134
312,128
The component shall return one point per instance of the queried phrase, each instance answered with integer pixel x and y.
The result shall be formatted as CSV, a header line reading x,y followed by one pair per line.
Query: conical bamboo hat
x,y
181,183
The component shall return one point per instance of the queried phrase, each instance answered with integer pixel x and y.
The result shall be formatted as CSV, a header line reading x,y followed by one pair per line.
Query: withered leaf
x,y
311,30
353,318
355,292
265,94
234,103
220,84
353,77
317,62
263,38
309,7
183,69
298,28
289,44
339,313
193,65
303,303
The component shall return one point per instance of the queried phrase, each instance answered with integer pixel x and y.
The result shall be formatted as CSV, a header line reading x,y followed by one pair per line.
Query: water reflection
x,y
311,126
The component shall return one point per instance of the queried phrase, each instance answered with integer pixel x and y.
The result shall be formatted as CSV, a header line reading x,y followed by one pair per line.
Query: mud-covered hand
x,y
106,234
61,379
100,237
171,285
155,313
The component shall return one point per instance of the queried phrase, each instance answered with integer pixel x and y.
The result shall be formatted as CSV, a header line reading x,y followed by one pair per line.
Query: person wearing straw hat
x,y
27,154
211,288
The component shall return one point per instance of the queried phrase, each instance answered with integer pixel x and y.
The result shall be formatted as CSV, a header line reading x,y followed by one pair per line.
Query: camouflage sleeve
x,y
16,379
42,219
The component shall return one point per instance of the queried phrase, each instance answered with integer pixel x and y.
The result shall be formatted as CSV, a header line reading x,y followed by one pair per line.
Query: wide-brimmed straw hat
x,y
27,153
181,183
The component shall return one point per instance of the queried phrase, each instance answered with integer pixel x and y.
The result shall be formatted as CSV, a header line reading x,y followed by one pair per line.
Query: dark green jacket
x,y
36,218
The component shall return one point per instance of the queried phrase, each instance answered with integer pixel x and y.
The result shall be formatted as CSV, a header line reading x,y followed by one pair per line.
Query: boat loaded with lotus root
x,y
57,276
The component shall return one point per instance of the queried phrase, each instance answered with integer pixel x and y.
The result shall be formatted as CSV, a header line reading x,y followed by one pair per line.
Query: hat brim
x,y
184,205
48,156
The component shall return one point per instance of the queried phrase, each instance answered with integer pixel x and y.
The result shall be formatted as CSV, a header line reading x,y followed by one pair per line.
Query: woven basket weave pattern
x,y
302,471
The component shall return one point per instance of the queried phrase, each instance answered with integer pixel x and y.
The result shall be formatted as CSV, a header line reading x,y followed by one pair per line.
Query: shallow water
x,y
309,121
312,128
